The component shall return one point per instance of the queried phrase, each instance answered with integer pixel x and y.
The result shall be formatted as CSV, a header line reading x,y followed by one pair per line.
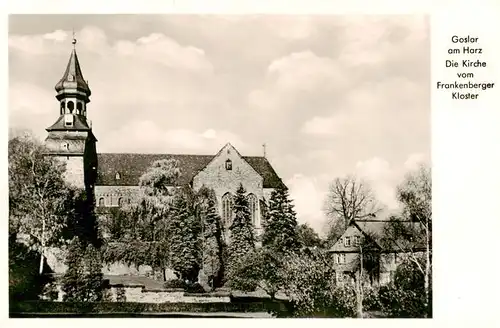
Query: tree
x,y
185,239
212,245
259,269
40,203
308,237
348,199
241,231
82,281
280,229
411,234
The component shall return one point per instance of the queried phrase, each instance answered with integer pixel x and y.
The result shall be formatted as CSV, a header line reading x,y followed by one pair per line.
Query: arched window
x,y
117,176
101,201
71,106
227,209
229,165
252,206
79,108
120,201
63,104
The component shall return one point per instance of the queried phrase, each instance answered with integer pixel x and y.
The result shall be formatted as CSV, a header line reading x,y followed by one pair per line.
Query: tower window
x,y
229,165
63,104
120,201
71,106
101,201
79,108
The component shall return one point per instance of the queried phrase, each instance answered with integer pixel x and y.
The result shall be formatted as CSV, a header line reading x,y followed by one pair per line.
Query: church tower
x,y
70,138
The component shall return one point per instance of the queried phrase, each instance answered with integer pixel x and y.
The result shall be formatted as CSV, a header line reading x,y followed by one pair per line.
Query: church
x,y
113,178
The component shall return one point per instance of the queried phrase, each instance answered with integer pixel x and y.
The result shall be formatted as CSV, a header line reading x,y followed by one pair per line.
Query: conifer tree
x,y
242,240
212,245
185,248
280,228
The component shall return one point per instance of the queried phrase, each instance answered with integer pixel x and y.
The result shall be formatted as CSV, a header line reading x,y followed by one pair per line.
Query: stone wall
x,y
139,294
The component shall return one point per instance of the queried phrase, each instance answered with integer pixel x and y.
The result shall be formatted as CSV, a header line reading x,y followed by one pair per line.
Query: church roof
x,y
132,166
73,77
79,124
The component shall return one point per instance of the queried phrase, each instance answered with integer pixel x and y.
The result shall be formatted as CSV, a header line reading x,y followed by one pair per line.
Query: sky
x,y
328,95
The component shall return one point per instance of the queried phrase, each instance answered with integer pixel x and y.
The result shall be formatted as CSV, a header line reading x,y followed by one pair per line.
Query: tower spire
x,y
74,39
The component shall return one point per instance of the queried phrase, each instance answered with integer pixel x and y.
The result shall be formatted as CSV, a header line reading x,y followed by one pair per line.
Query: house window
x,y
340,240
101,201
229,165
120,201
356,241
336,258
227,209
347,241
342,258
252,205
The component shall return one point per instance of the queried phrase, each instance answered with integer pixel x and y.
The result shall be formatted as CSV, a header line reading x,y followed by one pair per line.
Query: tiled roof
x,y
79,123
376,229
73,77
132,166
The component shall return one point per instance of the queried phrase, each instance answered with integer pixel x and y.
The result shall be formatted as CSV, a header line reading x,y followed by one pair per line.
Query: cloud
x,y
149,137
308,197
329,95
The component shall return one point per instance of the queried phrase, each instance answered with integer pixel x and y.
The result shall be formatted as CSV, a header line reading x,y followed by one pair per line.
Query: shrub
x,y
175,283
371,300
195,288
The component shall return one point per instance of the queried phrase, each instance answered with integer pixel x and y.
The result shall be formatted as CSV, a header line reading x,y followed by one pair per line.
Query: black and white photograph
x,y
219,166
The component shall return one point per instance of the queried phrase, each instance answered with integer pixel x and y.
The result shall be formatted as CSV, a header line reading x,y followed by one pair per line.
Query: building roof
x,y
79,123
132,166
73,77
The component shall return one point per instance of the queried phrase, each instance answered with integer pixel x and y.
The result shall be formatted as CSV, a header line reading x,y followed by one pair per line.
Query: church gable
x,y
226,171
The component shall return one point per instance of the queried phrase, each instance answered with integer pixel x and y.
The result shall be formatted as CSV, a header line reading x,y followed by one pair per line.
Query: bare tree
x,y
348,199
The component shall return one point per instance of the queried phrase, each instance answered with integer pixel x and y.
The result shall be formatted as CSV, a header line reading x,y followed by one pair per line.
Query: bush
x,y
175,283
130,308
371,300
195,288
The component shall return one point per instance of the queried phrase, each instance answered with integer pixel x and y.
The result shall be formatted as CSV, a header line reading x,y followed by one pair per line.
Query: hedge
x,y
46,307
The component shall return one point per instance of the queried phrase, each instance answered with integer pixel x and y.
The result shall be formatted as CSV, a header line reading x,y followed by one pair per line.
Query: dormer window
x,y
117,176
229,165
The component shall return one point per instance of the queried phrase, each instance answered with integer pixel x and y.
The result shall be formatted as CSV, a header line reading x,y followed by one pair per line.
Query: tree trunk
x,y
42,252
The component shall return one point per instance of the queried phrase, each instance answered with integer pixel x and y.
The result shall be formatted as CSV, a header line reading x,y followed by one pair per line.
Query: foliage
x,y
185,241
242,234
405,298
40,203
161,175
25,282
308,237
348,199
195,288
213,246
280,229
175,283
82,281
131,307
260,269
